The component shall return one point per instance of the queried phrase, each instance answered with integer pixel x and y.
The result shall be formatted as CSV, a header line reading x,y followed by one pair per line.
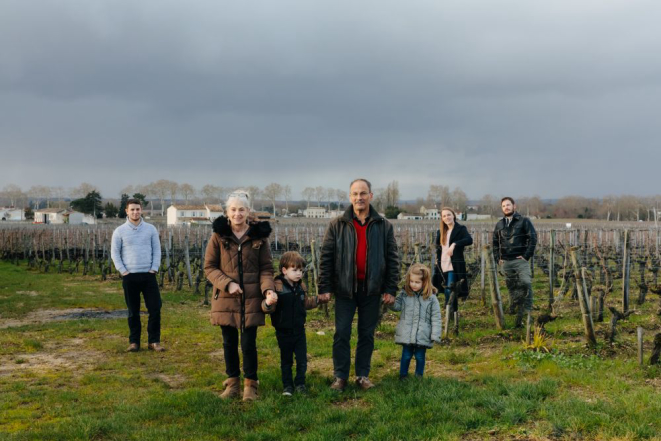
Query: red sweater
x,y
361,248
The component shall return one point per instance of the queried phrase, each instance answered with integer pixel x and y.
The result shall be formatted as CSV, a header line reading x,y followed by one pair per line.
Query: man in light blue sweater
x,y
136,252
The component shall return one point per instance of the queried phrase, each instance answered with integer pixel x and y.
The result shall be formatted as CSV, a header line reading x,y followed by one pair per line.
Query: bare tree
x,y
272,192
173,191
330,196
438,195
342,196
459,199
82,190
129,190
392,194
160,189
187,191
13,193
255,194
212,193
286,193
308,194
319,193
380,198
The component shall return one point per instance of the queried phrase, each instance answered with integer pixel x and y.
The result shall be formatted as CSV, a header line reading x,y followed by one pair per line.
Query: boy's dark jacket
x,y
289,312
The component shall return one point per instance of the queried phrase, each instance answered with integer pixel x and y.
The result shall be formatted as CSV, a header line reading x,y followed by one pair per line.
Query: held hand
x,y
388,299
125,274
152,272
271,298
500,262
521,257
451,250
323,298
234,289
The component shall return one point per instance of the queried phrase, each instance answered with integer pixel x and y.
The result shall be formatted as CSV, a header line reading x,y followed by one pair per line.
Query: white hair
x,y
238,197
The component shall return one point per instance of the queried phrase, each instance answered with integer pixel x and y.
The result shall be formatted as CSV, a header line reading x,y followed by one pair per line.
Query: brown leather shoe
x,y
133,347
339,384
156,347
364,383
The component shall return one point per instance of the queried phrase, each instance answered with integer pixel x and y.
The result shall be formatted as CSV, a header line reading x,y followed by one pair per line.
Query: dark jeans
x,y
248,349
368,315
292,343
449,279
134,284
408,352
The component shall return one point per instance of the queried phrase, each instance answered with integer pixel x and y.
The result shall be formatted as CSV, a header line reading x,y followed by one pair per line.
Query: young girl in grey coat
x,y
420,321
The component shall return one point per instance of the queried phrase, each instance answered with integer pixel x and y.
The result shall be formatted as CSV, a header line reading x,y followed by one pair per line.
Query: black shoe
x,y
301,389
288,391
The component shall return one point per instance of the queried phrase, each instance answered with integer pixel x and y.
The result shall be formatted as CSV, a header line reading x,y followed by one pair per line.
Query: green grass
x,y
71,379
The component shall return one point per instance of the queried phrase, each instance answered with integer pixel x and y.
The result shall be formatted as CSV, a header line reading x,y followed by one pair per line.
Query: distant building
x,y
430,213
58,216
11,214
178,214
410,216
315,212
262,215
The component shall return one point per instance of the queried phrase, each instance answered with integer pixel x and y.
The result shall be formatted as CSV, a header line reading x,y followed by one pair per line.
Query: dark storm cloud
x,y
495,97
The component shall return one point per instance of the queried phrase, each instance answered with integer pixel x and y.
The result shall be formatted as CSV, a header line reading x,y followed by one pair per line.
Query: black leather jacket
x,y
337,264
517,239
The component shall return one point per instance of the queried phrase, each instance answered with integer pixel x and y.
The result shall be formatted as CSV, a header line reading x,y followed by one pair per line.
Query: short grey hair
x,y
240,197
369,184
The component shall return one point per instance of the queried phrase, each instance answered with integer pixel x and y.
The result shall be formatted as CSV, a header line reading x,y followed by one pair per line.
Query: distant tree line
x,y
277,198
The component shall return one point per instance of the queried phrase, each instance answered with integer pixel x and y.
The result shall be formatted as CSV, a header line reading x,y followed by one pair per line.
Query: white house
x,y
315,212
11,214
58,216
178,214
332,214
409,216
430,213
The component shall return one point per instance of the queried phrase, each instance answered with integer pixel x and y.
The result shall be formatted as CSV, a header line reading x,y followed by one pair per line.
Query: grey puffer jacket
x,y
420,321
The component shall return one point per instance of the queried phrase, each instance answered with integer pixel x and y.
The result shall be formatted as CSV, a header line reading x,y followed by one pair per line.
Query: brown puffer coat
x,y
247,262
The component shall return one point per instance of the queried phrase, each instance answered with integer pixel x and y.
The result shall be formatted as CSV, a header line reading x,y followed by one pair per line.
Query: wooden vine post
x,y
551,268
626,258
496,302
583,302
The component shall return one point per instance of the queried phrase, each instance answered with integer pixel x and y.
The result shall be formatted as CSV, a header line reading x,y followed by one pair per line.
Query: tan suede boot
x,y
232,388
250,389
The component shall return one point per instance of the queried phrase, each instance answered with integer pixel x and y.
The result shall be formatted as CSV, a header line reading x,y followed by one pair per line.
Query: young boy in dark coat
x,y
287,310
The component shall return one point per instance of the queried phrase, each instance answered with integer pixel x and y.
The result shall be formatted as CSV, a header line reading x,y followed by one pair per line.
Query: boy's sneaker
x,y
301,389
288,391
364,383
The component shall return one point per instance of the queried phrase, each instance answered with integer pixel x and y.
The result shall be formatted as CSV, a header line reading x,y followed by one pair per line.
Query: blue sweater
x,y
136,249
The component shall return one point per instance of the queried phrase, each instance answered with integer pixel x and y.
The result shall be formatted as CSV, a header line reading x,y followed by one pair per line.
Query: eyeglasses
x,y
362,194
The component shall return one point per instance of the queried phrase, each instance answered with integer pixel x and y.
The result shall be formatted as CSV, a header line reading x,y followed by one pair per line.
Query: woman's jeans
x,y
449,280
408,352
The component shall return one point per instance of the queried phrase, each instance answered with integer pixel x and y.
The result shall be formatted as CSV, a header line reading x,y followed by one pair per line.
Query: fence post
x,y
496,302
582,300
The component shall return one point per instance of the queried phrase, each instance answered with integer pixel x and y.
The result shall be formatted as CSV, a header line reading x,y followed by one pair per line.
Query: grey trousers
x,y
519,284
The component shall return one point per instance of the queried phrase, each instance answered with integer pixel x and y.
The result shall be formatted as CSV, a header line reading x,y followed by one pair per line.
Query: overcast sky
x,y
521,97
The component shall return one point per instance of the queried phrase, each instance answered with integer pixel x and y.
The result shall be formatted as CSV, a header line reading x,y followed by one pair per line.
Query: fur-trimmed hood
x,y
257,230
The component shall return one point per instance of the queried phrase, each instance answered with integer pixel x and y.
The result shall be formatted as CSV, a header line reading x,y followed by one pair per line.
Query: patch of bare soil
x,y
48,315
172,381
71,355
28,293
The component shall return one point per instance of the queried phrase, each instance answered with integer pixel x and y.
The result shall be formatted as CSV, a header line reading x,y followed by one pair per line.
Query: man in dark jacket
x,y
514,241
360,265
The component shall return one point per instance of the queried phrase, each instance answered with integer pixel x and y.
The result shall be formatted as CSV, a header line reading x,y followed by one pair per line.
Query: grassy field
x,y
71,379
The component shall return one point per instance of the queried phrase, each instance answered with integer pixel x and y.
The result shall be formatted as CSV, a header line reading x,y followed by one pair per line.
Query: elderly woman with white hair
x,y
238,263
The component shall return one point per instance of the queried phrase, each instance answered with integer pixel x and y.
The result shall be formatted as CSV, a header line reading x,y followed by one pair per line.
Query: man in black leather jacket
x,y
514,241
359,263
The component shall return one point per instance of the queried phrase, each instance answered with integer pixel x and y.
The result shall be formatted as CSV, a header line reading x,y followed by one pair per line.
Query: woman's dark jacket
x,y
337,263
289,311
461,238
